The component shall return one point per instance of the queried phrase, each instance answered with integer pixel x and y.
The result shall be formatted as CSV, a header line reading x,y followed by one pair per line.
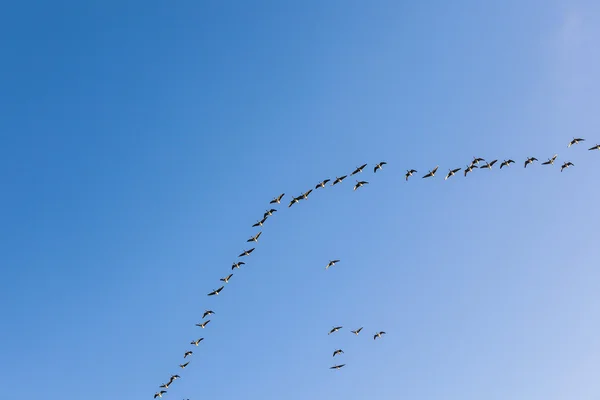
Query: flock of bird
x,y
476,163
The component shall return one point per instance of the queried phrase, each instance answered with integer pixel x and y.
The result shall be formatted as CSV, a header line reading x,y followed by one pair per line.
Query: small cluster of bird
x,y
336,352
477,162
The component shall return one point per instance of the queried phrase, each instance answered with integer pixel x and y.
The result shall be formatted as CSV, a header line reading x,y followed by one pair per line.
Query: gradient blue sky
x,y
140,140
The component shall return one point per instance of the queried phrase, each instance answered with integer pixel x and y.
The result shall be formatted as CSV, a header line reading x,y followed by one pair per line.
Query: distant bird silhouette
x,y
337,366
237,265
477,160
207,313
358,169
293,201
575,141
379,166
260,223
451,172
203,325
409,173
359,184
270,212
378,335
335,329
338,180
304,196
226,279
322,184
356,332
488,165
566,165
246,252
196,342
470,168
331,263
596,147
188,353
277,199
166,385
530,160
159,394
431,173
506,163
216,292
183,365
254,238
550,160
173,377
338,351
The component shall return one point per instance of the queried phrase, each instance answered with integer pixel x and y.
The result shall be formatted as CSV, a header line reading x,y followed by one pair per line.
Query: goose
x,y
203,325
260,223
304,196
566,165
254,238
338,351
182,366
246,252
359,184
432,172
196,342
476,160
550,160
379,166
216,292
488,165
173,377
356,332
378,335
188,353
294,201
530,160
596,147
237,265
226,279
322,184
207,313
470,168
451,172
331,263
335,329
409,173
166,385
506,163
338,180
358,169
337,366
270,212
575,141
159,394
277,199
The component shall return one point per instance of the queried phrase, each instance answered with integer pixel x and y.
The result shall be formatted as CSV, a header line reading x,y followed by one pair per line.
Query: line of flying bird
x,y
476,163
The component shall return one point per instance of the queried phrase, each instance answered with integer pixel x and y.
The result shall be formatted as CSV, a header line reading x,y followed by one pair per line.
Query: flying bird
x,y
270,212
550,160
334,329
338,180
159,394
566,165
378,335
260,223
338,351
530,160
254,238
322,184
188,353
226,279
359,184
358,169
277,199
409,173
506,163
196,342
470,168
432,172
183,365
173,377
304,196
246,252
337,366
356,332
476,160
451,172
379,166
575,141
203,325
331,263
488,165
294,201
596,147
216,291
166,385
237,265
207,313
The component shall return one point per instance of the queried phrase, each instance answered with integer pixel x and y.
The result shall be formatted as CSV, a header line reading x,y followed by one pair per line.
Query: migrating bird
x,y
216,291
358,169
203,325
254,238
469,168
338,180
337,366
304,196
575,141
506,163
409,173
294,201
596,147
356,332
322,184
159,394
226,279
166,385
379,166
476,160
488,165
550,160
260,223
451,172
173,377
431,173
334,329
246,252
277,199
188,353
378,335
182,366
237,265
207,313
566,165
359,184
270,212
338,351
196,342
530,160
331,263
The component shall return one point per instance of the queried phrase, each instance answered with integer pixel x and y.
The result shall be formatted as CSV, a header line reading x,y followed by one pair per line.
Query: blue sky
x,y
141,140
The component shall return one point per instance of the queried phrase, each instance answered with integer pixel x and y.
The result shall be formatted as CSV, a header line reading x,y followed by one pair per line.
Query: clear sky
x,y
141,140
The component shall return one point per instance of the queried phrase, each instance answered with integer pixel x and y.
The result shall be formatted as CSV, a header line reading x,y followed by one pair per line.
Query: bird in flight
x,y
237,265
338,351
260,223
379,166
270,212
207,313
277,199
469,168
566,165
188,353
159,394
246,252
432,172
476,160
304,196
488,165
203,325
196,342
166,385
338,180
334,329
182,366
359,184
226,279
596,147
550,160
216,292
378,335
575,141
254,238
331,263
506,163
337,366
294,201
173,377
322,184
530,160
356,332
358,169
451,172
409,173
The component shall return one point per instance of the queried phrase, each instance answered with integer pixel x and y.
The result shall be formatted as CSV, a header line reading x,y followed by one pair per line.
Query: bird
x,y
331,263
359,184
476,160
254,238
409,173
488,165
550,160
566,165
182,366
338,351
196,342
216,291
166,385
575,141
334,329
277,199
337,366
260,223
188,353
358,169
596,147
356,332
226,279
237,265
322,184
294,201
506,163
338,180
159,394
304,196
379,166
469,168
530,160
207,313
431,173
270,212
451,172
203,325
246,252
173,377
378,335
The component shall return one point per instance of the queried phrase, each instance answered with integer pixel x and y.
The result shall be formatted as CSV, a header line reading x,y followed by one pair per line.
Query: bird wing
x,y
493,162
362,166
307,193
219,289
435,169
428,175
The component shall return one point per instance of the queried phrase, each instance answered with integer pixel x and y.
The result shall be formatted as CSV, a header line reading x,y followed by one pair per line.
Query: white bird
x,y
451,172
